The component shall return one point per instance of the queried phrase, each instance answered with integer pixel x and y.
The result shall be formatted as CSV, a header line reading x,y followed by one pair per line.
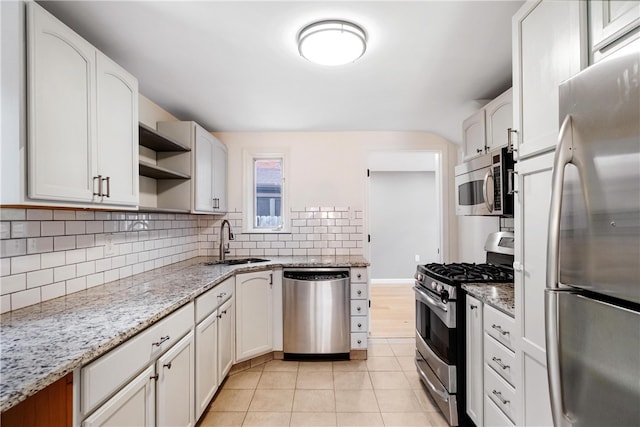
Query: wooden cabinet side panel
x,y
50,407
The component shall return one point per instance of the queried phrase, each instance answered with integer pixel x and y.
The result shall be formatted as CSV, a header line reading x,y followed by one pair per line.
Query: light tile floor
x,y
384,390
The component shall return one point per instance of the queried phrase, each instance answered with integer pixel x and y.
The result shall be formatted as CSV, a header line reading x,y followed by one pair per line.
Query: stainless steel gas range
x,y
440,322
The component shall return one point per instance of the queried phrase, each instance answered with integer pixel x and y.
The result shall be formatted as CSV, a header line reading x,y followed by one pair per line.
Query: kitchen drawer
x,y
359,291
359,275
102,377
500,326
501,359
360,307
358,340
493,416
359,324
214,298
500,392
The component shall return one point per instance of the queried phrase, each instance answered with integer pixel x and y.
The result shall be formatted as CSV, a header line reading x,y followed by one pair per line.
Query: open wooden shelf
x,y
150,138
154,171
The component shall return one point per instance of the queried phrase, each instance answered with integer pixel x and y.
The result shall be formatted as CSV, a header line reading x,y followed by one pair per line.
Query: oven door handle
x,y
444,396
424,297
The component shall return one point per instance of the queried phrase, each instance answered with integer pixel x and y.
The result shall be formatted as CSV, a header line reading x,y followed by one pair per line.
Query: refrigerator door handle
x,y
564,156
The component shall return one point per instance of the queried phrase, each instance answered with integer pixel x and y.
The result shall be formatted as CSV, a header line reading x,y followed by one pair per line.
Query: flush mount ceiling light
x,y
332,42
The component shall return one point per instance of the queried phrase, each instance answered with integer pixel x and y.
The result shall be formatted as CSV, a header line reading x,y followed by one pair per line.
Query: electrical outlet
x,y
109,247
417,258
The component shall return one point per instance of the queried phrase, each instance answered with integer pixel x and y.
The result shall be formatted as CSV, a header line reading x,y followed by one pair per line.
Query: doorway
x,y
404,229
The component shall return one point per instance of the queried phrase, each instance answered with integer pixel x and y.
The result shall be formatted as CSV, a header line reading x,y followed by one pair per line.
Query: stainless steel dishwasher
x,y
316,313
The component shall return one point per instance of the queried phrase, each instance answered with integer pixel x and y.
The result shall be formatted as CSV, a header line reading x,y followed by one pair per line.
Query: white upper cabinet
x,y
612,24
117,97
82,121
486,130
499,119
62,125
549,46
473,135
209,165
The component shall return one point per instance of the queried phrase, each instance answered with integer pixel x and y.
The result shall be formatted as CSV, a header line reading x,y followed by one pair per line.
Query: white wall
x,y
472,233
329,168
404,223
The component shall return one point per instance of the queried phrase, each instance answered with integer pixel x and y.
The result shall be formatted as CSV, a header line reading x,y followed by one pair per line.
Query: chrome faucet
x,y
224,249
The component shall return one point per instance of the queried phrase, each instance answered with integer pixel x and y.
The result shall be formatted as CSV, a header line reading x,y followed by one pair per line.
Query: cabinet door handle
x,y
498,362
162,340
499,329
510,178
479,150
271,279
222,295
99,178
499,396
167,365
108,180
473,307
219,316
154,377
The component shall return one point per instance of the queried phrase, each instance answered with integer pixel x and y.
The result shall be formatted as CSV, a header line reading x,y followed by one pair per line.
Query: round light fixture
x,y
332,42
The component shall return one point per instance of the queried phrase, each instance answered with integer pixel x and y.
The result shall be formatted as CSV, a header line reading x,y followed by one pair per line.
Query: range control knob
x,y
444,296
434,286
420,277
439,288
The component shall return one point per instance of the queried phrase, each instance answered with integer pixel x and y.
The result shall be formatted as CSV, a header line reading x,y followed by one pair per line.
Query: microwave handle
x,y
488,175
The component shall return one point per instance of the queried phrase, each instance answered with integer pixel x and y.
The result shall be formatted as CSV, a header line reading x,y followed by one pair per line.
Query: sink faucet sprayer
x,y
224,249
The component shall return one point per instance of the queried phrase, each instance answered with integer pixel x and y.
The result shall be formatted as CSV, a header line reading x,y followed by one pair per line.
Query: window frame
x,y
249,205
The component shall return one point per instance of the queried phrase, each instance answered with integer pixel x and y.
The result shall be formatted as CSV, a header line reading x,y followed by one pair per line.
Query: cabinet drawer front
x,y
359,291
359,340
501,359
493,416
213,298
359,307
500,326
104,376
359,275
500,392
359,324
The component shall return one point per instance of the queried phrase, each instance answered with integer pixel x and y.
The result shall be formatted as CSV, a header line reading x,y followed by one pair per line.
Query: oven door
x,y
436,335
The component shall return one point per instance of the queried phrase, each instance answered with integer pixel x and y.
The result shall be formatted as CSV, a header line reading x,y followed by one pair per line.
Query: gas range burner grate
x,y
469,273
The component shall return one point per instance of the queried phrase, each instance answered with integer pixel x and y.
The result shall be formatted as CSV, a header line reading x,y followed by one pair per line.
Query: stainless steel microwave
x,y
484,185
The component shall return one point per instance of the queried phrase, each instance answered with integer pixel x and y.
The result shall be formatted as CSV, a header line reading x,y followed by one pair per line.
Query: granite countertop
x,y
498,295
44,342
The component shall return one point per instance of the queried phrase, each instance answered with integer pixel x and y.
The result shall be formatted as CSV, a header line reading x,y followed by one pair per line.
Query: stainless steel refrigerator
x,y
592,300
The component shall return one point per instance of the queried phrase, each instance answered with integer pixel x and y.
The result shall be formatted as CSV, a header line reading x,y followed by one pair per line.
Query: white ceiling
x,y
234,65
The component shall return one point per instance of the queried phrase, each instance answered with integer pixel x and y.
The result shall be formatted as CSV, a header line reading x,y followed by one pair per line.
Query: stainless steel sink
x,y
237,261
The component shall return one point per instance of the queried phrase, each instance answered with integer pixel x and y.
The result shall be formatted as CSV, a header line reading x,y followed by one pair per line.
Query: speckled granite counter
x,y
44,342
498,295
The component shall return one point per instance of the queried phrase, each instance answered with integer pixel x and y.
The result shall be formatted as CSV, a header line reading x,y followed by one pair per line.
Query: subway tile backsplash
x,y
48,253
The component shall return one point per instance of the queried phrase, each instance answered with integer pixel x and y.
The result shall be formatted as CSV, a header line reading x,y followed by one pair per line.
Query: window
x,y
265,207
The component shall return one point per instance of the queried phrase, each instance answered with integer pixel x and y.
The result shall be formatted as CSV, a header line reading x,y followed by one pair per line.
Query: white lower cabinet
x,y
134,405
226,338
206,362
174,373
359,306
254,314
474,360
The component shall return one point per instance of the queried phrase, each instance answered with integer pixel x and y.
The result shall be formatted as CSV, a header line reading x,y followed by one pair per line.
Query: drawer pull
x,y
473,307
154,377
498,362
359,276
499,329
359,341
162,340
222,295
359,325
359,308
219,316
224,312
499,396
167,365
359,292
